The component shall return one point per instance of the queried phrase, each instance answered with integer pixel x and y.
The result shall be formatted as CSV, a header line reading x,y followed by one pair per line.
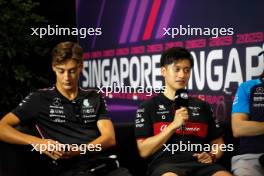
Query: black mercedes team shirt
x,y
61,119
156,114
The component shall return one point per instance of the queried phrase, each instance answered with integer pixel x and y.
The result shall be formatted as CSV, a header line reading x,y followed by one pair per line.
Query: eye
x,y
60,70
186,70
72,71
177,69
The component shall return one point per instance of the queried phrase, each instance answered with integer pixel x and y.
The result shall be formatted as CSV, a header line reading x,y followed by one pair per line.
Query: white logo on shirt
x,y
56,102
86,103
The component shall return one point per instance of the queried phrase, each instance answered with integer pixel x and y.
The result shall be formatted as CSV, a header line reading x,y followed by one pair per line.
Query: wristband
x,y
213,156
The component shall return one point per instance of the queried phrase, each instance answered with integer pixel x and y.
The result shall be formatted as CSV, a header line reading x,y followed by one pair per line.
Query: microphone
x,y
181,100
261,160
101,166
110,162
262,52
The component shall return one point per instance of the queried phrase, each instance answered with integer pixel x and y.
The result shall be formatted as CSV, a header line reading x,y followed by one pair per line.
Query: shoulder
x,y
148,106
197,100
90,94
200,103
40,92
45,91
89,91
150,103
246,87
249,84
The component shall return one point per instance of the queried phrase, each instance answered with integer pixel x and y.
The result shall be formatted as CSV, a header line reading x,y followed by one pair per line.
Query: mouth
x,y
67,84
180,81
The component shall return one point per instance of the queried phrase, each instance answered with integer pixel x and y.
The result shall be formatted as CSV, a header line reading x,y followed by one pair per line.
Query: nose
x,y
66,76
181,73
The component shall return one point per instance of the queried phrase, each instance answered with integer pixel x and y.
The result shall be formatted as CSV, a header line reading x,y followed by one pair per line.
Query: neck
x,y
69,94
169,93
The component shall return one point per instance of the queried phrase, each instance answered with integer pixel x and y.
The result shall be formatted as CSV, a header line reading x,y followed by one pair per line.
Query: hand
x,y
49,147
181,115
71,153
203,157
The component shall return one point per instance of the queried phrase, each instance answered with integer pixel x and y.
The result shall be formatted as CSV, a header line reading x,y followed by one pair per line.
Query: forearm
x,y
248,128
152,144
218,154
217,147
11,135
104,142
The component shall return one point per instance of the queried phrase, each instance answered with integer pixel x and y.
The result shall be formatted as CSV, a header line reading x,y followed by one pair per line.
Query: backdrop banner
x,y
123,42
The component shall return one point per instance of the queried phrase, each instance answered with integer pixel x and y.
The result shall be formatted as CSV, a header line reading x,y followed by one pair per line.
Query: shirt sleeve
x,y
28,108
241,101
143,125
214,129
102,112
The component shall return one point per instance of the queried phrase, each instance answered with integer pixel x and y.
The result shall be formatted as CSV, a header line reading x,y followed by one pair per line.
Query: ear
x,y
53,67
163,71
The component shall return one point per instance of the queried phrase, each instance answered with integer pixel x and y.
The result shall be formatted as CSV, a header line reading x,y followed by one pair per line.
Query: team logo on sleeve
x,y
139,118
25,99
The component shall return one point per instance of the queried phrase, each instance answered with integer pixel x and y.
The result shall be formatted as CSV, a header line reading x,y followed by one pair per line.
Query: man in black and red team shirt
x,y
162,132
71,121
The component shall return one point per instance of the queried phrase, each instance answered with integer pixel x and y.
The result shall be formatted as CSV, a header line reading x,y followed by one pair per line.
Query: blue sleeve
x,y
241,100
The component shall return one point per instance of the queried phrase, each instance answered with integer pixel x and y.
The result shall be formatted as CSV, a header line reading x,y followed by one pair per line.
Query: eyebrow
x,y
177,66
66,69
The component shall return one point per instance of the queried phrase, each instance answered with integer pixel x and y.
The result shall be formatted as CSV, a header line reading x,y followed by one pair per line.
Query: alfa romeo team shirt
x,y
249,99
61,119
156,114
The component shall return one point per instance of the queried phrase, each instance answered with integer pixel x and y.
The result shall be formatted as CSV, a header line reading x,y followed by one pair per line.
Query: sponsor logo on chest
x,y
258,98
56,111
88,111
162,112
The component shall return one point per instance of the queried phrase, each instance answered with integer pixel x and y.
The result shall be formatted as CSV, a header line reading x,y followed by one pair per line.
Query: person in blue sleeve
x,y
248,125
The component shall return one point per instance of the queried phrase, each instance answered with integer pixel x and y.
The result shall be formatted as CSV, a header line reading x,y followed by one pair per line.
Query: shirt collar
x,y
165,99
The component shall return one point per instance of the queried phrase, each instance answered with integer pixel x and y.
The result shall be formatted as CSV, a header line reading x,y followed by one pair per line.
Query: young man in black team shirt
x,y
160,132
64,114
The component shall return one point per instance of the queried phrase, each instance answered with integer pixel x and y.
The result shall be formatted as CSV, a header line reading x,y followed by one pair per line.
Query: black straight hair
x,y
175,54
